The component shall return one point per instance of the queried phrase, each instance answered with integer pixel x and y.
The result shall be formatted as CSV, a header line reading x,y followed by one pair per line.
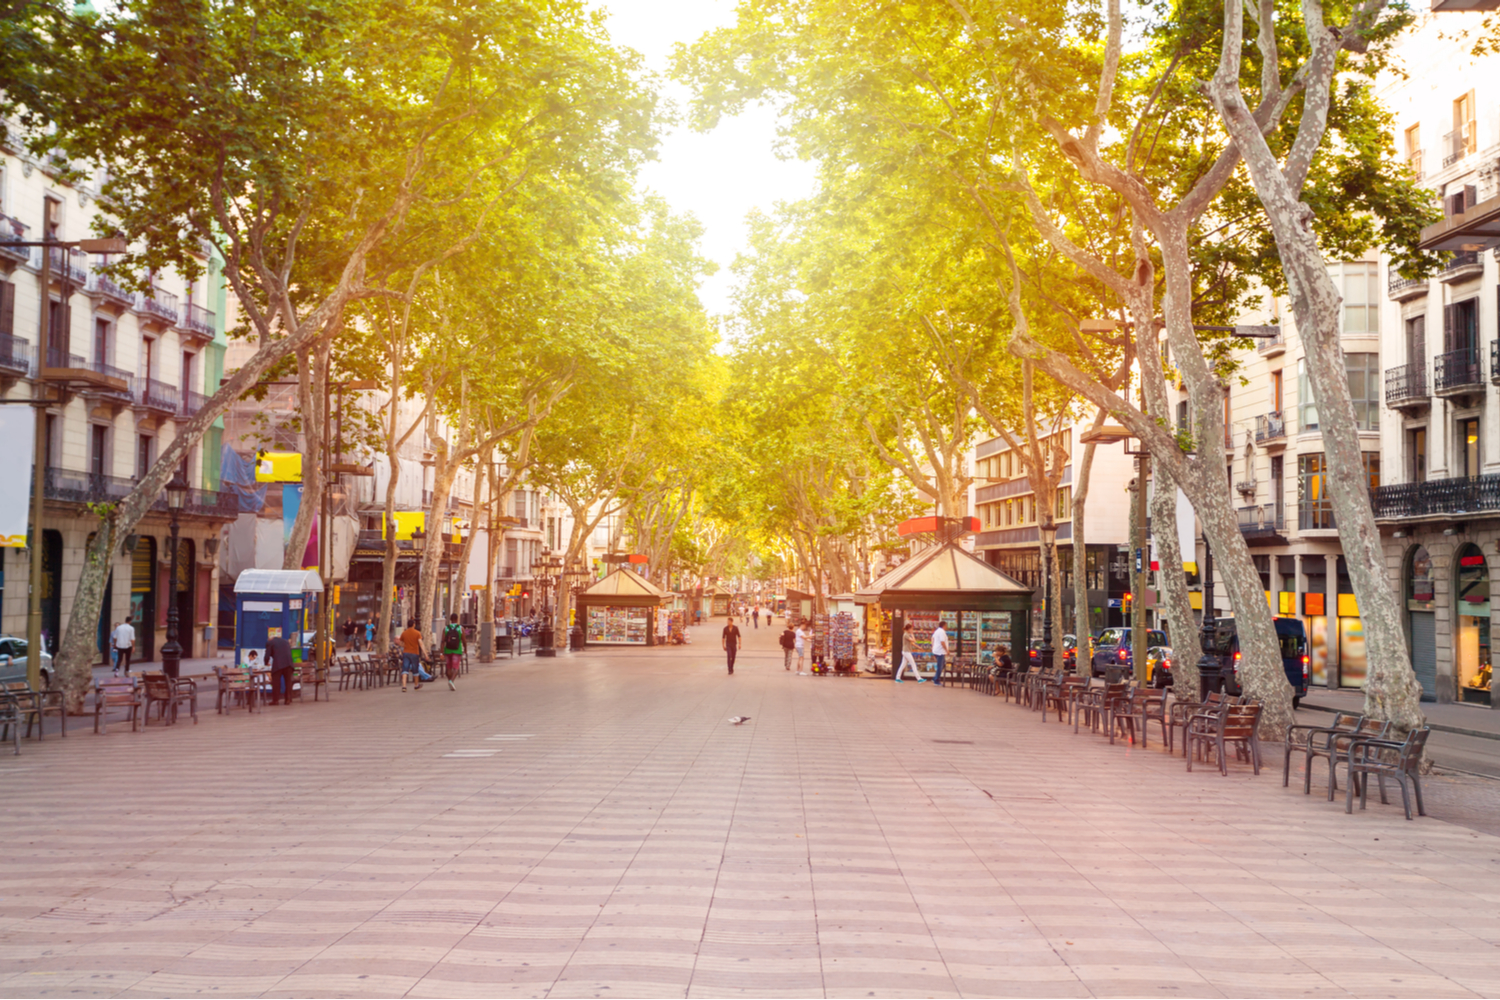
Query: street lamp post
x,y
1048,535
171,650
545,570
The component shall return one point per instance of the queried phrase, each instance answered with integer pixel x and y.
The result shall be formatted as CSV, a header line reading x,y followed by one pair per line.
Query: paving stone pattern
x,y
594,826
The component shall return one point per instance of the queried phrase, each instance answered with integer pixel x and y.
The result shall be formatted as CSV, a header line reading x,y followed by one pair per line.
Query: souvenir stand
x,y
718,606
980,607
620,609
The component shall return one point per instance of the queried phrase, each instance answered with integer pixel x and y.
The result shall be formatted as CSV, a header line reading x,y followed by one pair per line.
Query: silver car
x,y
13,661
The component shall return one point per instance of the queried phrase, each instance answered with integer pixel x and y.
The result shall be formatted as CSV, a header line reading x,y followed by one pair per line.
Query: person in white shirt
x,y
123,640
939,652
801,647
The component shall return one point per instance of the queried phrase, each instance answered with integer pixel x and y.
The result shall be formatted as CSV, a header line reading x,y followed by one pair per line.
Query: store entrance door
x,y
1424,652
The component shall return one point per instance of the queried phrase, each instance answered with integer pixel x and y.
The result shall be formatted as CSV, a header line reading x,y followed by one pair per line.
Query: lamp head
x,y
177,491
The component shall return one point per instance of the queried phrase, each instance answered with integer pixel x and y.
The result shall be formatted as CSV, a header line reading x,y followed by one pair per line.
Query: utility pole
x,y
1138,584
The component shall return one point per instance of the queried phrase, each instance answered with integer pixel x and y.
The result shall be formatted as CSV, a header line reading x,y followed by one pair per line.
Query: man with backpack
x,y
453,648
788,644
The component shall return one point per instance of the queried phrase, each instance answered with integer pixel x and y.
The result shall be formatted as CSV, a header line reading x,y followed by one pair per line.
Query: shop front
x,y
983,610
620,609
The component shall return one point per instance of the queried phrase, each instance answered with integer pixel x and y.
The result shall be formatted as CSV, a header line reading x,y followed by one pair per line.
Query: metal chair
x,y
1338,745
1400,760
115,692
1234,724
1343,722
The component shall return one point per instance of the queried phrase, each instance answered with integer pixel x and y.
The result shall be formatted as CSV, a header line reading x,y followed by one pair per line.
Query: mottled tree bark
x,y
1391,691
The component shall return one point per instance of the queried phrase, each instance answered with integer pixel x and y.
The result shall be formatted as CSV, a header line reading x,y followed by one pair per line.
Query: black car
x,y
1219,667
1066,653
1107,647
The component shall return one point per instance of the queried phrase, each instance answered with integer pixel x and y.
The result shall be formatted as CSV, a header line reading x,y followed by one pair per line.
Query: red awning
x,y
637,559
928,525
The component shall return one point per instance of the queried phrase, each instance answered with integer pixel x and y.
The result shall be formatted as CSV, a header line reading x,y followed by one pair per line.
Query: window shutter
x,y
1471,195
7,308
1447,329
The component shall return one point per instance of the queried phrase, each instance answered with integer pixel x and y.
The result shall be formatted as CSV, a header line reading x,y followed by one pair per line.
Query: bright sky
x,y
718,177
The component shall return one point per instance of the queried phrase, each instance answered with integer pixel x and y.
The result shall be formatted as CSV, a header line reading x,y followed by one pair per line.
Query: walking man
x,y
453,648
788,644
800,639
940,652
123,639
731,642
755,617
411,656
279,660
348,629
908,640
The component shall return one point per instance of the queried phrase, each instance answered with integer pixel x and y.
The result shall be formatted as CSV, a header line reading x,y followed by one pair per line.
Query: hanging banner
x,y
17,435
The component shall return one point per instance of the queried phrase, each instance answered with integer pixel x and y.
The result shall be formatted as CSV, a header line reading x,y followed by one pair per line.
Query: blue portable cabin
x,y
271,602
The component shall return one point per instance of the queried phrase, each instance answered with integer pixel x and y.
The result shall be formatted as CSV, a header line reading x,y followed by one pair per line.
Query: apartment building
x,y
1275,463
1439,504
124,369
1005,502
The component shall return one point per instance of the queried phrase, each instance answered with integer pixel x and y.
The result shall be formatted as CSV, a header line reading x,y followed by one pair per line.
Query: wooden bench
x,y
116,692
35,706
169,694
235,685
1237,725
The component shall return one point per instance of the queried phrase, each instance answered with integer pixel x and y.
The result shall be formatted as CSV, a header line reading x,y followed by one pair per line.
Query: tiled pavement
x,y
593,826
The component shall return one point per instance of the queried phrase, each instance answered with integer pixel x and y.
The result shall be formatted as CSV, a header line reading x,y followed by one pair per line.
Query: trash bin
x,y
575,637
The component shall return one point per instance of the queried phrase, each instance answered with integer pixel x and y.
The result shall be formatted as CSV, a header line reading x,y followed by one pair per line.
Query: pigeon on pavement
x,y
739,720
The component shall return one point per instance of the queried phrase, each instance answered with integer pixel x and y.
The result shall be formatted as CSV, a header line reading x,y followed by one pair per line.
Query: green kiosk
x,y
980,607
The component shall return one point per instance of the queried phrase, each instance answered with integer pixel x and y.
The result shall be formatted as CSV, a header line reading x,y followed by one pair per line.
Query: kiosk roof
x,y
278,581
622,582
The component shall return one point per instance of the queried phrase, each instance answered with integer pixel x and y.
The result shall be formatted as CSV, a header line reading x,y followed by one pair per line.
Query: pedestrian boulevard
x,y
593,826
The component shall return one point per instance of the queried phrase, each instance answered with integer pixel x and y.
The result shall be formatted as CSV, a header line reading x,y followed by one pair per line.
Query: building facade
x,y
124,370
1439,504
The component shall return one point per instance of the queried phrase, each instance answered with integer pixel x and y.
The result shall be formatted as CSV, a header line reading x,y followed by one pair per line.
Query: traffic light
x,y
1125,605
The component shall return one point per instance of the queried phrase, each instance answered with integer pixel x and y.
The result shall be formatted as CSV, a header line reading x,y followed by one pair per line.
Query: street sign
x,y
1138,560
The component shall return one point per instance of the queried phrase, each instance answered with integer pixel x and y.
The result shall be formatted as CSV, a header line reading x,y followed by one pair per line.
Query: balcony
x,y
1261,524
64,269
1462,265
114,382
80,373
1457,373
1437,497
198,321
158,305
154,395
1401,289
1406,387
1270,428
17,356
1269,347
103,286
11,230
1456,144
192,402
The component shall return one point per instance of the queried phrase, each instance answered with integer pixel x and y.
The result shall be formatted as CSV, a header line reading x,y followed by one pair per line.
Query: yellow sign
x,y
278,467
1195,600
1348,606
1288,603
1270,602
408,521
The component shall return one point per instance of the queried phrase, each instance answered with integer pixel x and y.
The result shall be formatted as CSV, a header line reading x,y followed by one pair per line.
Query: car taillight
x,y
1304,666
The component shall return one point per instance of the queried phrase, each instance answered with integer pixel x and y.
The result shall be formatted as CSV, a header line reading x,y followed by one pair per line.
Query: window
x,y
1276,391
1065,503
1416,455
187,372
1414,150
1314,509
1361,287
52,218
7,309
1182,416
1307,410
1416,340
1464,139
148,357
1468,447
98,449
1461,328
1010,512
1364,387
145,454
1277,486
101,341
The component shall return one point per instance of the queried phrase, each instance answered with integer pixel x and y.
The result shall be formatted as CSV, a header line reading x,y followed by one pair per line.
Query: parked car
x,y
1108,647
1159,666
1066,651
1219,670
13,661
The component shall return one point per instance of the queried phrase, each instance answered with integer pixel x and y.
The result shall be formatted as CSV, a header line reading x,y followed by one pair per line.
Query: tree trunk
x,y
492,555
312,381
1392,691
444,472
1176,604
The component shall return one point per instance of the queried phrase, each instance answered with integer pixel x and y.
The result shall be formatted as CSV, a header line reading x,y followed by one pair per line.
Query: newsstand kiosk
x,y
980,607
620,609
270,603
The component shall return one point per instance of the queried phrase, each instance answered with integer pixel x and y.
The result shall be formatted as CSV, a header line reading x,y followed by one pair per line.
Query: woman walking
x,y
908,637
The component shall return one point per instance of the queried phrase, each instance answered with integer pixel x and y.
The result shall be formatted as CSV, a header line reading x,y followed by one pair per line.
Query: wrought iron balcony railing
x,y
17,356
198,320
1457,495
154,395
158,303
1260,520
12,231
1406,385
1456,371
1270,427
192,402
